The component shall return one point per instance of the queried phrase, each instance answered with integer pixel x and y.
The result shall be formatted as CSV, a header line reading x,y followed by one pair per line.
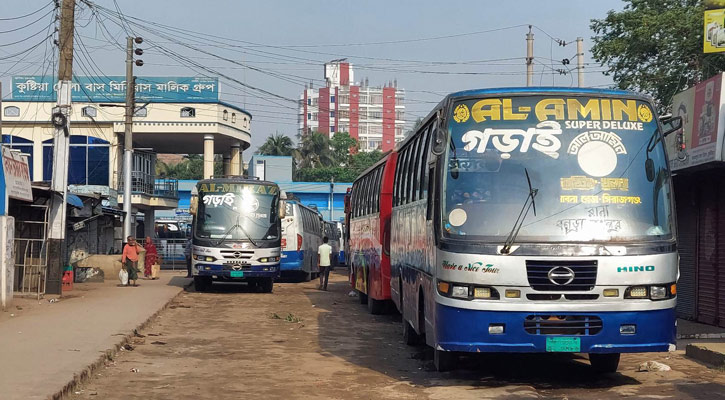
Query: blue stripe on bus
x,y
465,330
292,260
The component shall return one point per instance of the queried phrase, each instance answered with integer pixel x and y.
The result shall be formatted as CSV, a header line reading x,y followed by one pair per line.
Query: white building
x,y
373,115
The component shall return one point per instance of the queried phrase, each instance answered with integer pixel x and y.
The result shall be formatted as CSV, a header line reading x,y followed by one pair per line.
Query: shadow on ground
x,y
375,342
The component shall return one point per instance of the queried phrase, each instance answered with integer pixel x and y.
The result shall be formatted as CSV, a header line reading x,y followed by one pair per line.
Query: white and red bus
x,y
370,207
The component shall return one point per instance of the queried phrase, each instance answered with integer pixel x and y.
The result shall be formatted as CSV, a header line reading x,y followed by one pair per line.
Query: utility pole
x,y
529,58
129,216
61,122
580,61
128,141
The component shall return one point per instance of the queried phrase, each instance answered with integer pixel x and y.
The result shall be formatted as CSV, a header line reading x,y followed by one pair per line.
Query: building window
x,y
225,115
332,114
12,111
332,128
309,101
24,145
88,160
141,112
89,111
234,118
188,112
332,99
309,115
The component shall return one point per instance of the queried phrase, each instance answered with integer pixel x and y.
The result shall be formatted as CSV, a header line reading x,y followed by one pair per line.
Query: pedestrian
x,y
152,257
187,255
323,262
129,259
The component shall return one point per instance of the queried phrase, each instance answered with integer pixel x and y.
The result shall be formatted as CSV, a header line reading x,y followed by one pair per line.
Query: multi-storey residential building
x,y
373,115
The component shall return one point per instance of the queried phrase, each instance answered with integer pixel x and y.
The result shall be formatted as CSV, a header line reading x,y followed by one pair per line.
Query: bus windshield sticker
x,y
218,199
597,152
505,142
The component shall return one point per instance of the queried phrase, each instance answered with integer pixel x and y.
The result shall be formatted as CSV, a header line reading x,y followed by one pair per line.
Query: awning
x,y
74,200
112,211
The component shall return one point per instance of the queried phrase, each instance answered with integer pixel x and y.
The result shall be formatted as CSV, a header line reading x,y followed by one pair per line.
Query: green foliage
x,y
314,151
341,144
277,145
358,163
190,168
655,46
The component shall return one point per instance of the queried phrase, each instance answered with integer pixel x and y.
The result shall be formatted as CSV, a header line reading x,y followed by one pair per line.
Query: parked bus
x,y
333,235
341,244
236,232
301,236
346,229
370,208
530,220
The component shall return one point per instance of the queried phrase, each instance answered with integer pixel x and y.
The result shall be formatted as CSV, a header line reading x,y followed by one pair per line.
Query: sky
x,y
430,47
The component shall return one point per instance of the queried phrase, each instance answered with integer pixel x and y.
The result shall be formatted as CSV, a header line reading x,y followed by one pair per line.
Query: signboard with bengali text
x,y
17,175
112,89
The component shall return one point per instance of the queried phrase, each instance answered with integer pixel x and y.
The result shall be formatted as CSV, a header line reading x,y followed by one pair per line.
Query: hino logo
x,y
561,276
637,268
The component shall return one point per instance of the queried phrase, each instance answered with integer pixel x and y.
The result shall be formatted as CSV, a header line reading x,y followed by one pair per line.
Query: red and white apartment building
x,y
373,115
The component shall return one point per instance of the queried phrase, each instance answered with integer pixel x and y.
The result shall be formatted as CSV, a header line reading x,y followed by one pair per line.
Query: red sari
x,y
152,256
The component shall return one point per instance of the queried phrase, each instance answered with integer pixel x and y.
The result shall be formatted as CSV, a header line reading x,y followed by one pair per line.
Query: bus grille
x,y
583,325
552,275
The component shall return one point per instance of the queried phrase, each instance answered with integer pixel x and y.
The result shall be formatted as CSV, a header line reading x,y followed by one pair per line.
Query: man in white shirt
x,y
323,262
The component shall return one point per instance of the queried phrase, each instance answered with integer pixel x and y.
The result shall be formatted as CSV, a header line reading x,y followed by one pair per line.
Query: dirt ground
x,y
300,343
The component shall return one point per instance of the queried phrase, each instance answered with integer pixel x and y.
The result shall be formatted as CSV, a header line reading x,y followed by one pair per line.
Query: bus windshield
x,y
597,163
237,212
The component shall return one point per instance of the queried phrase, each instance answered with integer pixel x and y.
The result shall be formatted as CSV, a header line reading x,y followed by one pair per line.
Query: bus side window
x,y
409,171
369,197
424,164
404,176
415,172
396,182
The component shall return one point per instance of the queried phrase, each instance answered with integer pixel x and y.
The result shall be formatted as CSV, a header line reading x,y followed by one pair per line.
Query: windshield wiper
x,y
528,204
236,225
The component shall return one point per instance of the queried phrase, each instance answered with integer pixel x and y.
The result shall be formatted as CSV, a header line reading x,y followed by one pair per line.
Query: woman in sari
x,y
152,256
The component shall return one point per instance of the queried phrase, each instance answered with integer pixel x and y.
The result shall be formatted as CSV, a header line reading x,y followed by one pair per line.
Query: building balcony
x,y
147,192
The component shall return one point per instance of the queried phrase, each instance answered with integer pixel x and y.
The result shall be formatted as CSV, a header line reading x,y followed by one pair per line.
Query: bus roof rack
x,y
233,176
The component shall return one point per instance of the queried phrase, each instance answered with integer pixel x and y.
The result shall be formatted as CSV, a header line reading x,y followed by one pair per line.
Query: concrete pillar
x,y
208,156
227,163
236,161
149,218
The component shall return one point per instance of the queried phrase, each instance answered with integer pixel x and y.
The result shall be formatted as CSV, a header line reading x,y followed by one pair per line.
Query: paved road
x,y
300,343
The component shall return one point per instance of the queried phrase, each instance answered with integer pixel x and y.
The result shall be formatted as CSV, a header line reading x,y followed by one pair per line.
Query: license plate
x,y
237,274
563,344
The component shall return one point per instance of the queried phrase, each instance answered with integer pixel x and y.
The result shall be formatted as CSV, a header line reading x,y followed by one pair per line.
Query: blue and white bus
x,y
301,236
536,220
236,232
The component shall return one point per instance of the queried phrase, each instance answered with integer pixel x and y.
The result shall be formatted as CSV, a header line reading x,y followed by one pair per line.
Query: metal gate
x,y
686,200
31,250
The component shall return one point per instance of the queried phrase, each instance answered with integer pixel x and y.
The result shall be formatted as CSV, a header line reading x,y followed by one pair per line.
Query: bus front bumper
x,y
466,330
216,271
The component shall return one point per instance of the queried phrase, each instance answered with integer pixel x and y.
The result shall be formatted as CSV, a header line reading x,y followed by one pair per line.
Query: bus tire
x,y
444,360
267,285
202,283
363,297
375,307
410,337
307,276
604,363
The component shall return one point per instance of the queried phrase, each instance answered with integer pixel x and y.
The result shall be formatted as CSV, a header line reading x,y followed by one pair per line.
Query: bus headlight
x,y
636,292
658,292
460,291
201,257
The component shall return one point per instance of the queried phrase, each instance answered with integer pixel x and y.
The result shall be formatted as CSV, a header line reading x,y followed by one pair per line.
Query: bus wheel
x,y
605,363
363,297
307,276
410,337
267,285
375,307
202,284
444,360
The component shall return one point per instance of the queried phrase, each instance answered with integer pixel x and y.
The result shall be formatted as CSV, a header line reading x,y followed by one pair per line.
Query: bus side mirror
x,y
193,204
439,141
670,125
282,209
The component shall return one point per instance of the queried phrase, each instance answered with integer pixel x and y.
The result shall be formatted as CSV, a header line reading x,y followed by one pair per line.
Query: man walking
x,y
323,262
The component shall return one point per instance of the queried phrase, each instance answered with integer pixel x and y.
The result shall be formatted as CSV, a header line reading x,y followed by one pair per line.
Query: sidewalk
x,y
44,346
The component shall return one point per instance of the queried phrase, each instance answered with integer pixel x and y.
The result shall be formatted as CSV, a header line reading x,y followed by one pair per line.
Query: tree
x,y
342,146
655,46
314,151
190,168
277,145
